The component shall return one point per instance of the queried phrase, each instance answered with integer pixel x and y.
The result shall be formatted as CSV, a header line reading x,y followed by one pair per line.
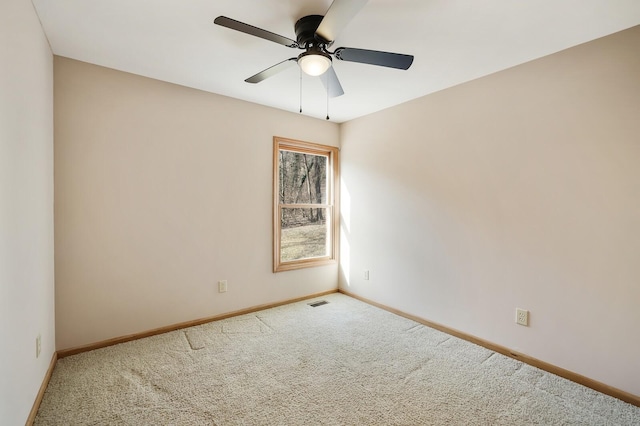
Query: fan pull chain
x,y
328,82
300,90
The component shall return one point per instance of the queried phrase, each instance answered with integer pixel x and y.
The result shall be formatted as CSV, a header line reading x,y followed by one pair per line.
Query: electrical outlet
x,y
522,316
38,345
366,275
222,286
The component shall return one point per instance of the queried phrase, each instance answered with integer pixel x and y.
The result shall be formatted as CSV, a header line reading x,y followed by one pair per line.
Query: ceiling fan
x,y
315,34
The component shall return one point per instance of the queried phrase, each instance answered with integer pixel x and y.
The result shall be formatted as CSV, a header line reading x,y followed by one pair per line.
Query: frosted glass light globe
x,y
313,63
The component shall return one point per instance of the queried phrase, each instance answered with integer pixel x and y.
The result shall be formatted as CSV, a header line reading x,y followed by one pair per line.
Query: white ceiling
x,y
453,41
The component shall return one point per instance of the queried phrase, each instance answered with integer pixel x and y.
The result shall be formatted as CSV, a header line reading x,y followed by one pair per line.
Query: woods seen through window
x,y
305,210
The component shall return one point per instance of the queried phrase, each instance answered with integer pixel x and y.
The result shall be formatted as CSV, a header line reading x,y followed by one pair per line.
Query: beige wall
x,y
520,189
26,209
161,191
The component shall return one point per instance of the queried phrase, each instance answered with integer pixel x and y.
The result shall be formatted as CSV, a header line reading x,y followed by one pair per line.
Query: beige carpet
x,y
343,363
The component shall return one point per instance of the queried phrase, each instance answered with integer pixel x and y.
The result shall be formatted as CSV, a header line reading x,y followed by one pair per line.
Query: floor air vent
x,y
319,303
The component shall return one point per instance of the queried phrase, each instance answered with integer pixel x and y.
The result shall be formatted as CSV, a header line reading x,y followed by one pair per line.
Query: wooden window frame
x,y
332,203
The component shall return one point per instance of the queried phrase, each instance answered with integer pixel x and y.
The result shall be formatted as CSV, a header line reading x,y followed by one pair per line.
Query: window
x,y
305,204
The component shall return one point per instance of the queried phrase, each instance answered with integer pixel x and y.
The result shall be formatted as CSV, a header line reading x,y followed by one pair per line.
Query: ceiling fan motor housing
x,y
306,30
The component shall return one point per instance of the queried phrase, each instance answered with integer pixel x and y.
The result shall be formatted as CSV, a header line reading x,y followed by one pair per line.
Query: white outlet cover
x,y
522,316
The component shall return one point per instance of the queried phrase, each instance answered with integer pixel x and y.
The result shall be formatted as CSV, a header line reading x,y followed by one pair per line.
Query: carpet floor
x,y
342,363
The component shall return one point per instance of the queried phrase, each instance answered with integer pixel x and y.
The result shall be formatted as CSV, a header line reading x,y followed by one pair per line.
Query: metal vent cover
x,y
318,303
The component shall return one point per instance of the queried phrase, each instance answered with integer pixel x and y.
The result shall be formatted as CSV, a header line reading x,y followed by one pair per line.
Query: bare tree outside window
x,y
303,203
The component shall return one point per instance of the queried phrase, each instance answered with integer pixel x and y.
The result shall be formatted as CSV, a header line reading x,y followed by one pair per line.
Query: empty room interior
x,y
494,178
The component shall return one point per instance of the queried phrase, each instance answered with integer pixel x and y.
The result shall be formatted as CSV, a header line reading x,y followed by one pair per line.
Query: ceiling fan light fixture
x,y
314,62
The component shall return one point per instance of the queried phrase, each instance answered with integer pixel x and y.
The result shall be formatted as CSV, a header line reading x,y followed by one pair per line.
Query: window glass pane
x,y
304,233
302,178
